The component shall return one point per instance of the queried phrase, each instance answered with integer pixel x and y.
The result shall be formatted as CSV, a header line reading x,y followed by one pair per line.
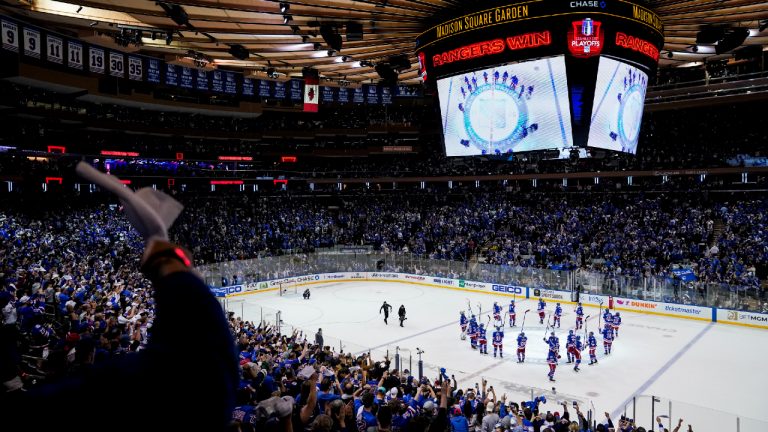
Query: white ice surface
x,y
702,368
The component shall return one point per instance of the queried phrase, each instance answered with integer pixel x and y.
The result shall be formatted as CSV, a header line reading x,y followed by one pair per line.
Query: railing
x,y
645,409
655,288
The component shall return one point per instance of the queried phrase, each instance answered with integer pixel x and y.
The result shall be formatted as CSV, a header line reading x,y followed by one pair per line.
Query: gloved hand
x,y
151,212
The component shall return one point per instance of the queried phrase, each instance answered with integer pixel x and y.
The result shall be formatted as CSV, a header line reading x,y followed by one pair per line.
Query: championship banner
x,y
311,94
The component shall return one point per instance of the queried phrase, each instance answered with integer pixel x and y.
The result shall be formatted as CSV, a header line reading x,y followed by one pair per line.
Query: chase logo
x,y
507,289
592,3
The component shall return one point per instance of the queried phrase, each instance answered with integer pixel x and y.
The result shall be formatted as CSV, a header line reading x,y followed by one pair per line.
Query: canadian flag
x,y
311,94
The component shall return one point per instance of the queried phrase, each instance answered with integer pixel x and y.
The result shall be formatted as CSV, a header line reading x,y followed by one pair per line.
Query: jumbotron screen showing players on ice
x,y
617,112
507,109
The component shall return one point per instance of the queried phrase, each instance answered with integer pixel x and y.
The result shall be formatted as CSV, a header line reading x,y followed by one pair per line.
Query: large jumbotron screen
x,y
507,109
587,63
617,111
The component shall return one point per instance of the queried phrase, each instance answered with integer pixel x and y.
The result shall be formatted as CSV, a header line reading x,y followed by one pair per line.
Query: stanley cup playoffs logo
x,y
585,39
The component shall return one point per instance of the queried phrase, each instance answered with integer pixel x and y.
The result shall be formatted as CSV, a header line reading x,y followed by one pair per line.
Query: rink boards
x,y
700,313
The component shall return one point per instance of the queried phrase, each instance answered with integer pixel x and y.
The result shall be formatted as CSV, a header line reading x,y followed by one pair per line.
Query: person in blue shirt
x,y
482,340
579,316
558,315
463,321
592,344
473,332
607,338
615,324
576,352
542,310
512,314
498,341
569,342
552,357
496,312
521,341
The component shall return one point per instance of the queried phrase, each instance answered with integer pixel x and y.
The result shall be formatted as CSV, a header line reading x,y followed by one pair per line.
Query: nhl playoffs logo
x,y
494,105
733,315
585,39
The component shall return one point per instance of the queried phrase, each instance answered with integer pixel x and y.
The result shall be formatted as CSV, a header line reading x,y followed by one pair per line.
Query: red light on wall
x,y
277,182
235,158
53,179
226,182
57,149
125,182
290,159
179,156
118,153
171,182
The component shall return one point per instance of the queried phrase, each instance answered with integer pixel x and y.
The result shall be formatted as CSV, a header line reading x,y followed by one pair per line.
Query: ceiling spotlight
x,y
317,46
763,25
154,35
79,9
331,52
304,39
295,29
168,38
287,19
94,23
366,63
284,7
669,54
345,58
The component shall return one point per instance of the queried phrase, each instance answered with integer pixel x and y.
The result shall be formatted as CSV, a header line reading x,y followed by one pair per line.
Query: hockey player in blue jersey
x,y
512,314
541,309
615,324
558,315
472,330
463,321
521,341
498,341
576,352
552,354
592,344
607,317
482,340
607,338
569,342
496,312
579,316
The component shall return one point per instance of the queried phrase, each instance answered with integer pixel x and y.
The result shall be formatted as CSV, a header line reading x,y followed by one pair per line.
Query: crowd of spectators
x,y
634,236
71,291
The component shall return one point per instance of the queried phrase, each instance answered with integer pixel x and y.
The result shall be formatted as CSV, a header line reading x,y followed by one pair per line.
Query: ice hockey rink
x,y
708,374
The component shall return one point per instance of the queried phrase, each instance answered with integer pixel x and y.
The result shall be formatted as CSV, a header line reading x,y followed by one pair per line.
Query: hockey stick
x,y
469,307
547,328
522,326
600,315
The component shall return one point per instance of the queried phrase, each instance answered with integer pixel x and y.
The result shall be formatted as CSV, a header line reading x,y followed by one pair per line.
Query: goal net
x,y
288,289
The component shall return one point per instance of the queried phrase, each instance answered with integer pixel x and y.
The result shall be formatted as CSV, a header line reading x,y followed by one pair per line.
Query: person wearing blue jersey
x,y
512,314
521,341
552,362
472,329
592,344
579,316
569,343
496,312
615,324
558,315
541,309
607,338
577,348
607,317
482,339
498,341
463,321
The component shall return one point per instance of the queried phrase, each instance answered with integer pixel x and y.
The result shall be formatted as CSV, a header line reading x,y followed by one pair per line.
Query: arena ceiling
x,y
284,40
